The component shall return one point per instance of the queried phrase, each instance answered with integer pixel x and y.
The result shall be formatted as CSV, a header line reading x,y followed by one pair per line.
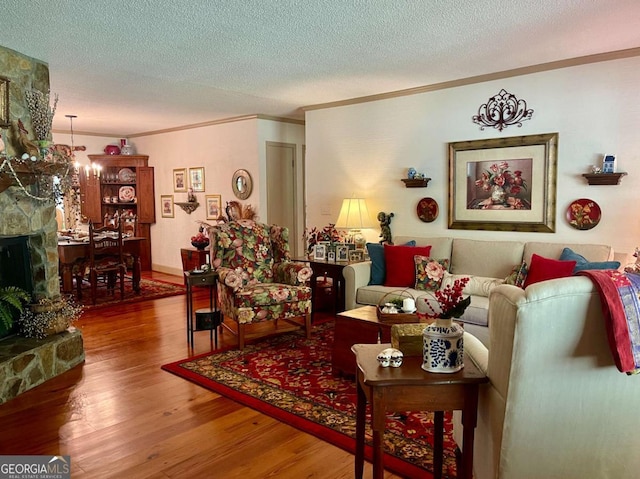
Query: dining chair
x,y
106,259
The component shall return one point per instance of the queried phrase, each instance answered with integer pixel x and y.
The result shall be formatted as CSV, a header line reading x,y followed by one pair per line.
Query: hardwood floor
x,y
120,416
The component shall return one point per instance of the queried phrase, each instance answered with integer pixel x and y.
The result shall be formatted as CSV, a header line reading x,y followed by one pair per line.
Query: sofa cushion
x,y
376,255
477,285
399,264
543,269
440,245
582,263
518,275
429,272
593,252
490,259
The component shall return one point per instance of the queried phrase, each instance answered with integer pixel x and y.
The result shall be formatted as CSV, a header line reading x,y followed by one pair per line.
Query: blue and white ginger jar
x,y
443,347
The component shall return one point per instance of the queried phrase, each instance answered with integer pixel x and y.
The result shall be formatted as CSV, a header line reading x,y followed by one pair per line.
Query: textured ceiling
x,y
126,67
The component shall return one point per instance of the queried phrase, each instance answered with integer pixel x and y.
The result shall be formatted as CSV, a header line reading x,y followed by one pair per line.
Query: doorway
x,y
282,189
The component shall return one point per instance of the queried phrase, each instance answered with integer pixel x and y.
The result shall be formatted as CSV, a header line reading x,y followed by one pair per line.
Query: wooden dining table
x,y
71,252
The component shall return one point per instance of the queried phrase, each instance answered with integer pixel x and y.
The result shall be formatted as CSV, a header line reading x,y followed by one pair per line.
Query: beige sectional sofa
x,y
556,406
487,262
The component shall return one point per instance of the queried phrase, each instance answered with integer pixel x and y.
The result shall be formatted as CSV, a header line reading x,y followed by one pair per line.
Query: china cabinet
x,y
125,187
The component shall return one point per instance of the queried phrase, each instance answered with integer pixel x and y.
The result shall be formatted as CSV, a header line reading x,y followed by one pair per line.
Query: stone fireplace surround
x,y
26,363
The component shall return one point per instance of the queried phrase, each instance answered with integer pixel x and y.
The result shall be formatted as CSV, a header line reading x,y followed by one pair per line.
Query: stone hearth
x,y
26,363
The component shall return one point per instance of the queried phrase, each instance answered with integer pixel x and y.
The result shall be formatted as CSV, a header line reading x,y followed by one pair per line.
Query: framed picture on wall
x,y
214,206
504,184
180,180
196,179
166,202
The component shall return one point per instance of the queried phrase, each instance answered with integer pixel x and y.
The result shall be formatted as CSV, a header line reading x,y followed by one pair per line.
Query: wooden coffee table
x,y
355,326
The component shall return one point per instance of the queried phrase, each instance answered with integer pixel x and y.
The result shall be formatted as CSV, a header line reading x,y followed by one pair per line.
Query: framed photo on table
x,y
342,252
180,180
504,184
214,206
166,203
320,252
196,179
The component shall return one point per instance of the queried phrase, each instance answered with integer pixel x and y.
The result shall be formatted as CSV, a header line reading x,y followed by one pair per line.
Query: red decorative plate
x,y
583,214
427,209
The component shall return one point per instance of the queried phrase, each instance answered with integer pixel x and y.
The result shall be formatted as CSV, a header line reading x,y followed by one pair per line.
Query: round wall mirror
x,y
242,184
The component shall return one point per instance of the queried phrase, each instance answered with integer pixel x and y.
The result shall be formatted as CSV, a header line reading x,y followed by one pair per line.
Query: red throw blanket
x,y
620,297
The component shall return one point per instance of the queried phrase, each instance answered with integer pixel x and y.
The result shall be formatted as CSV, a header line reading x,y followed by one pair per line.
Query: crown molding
x,y
187,127
556,65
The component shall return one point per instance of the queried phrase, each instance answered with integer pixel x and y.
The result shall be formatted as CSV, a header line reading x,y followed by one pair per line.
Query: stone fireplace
x,y
35,222
28,230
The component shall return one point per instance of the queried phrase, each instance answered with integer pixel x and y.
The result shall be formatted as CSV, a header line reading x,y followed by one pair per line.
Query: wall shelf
x,y
416,182
189,207
604,178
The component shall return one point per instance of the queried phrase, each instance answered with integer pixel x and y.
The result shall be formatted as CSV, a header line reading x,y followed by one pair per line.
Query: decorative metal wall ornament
x,y
502,110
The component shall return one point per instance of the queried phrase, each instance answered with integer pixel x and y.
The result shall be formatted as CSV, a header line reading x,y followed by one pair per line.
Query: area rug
x,y
149,289
289,378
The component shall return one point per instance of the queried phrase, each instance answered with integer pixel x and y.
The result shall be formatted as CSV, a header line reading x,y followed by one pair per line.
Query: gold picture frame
x,y
167,206
504,184
180,180
196,179
4,103
214,206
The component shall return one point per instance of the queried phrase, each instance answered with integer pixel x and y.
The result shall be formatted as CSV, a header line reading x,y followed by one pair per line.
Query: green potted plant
x,y
12,301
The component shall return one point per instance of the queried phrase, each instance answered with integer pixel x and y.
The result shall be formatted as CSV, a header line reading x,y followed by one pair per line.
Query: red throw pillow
x,y
401,269
542,269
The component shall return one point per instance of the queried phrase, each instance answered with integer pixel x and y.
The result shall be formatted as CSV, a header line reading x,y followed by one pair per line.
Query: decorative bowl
x,y
200,244
112,150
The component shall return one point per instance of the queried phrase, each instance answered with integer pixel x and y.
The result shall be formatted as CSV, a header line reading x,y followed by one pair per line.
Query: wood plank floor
x,y
120,416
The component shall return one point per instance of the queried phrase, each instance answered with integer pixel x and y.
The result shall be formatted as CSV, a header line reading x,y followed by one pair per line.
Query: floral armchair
x,y
258,282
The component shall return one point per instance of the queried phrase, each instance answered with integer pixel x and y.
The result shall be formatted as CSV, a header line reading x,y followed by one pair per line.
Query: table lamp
x,y
354,216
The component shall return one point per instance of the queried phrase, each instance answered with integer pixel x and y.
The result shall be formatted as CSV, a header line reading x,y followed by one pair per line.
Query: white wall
x,y
365,149
221,149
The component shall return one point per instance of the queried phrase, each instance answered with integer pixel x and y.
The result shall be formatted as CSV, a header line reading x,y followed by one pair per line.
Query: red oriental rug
x,y
149,289
289,378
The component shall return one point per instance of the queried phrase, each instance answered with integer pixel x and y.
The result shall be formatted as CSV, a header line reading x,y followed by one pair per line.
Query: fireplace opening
x,y
15,263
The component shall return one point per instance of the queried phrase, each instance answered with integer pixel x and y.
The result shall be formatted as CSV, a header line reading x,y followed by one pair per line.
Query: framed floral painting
x,y
506,184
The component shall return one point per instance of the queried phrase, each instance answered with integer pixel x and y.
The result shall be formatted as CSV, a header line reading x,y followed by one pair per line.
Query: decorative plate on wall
x,y
583,214
427,209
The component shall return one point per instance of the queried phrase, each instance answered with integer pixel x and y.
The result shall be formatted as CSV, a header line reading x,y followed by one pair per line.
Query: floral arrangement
x,y
48,316
450,300
41,112
328,233
499,175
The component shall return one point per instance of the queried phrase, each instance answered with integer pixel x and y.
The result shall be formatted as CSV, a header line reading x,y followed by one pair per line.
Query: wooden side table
x,y
410,388
193,258
206,318
328,270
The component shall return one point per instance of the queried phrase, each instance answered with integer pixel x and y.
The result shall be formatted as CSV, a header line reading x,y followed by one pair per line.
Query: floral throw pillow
x,y
518,275
429,272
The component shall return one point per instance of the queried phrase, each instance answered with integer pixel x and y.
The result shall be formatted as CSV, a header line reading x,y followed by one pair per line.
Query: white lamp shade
x,y
354,215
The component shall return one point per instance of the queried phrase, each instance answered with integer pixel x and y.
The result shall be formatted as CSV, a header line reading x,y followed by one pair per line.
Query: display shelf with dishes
x,y
126,183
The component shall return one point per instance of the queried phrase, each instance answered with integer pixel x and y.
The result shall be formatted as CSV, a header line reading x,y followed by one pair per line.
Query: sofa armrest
x,y
476,351
355,276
